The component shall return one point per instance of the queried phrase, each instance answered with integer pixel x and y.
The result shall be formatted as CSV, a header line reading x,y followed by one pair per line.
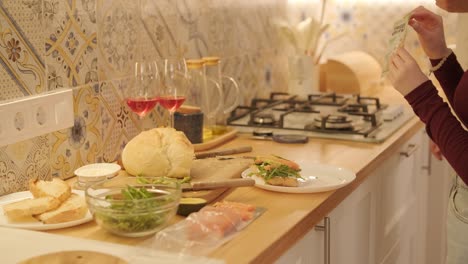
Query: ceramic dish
x,y
96,172
317,178
35,224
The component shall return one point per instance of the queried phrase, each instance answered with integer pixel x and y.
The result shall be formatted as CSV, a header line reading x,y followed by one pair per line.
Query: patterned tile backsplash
x,y
90,46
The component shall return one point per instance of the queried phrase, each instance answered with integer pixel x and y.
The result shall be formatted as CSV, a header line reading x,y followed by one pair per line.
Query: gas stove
x,y
324,115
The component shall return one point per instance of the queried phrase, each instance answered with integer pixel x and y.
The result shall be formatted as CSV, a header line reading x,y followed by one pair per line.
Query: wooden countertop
x,y
288,216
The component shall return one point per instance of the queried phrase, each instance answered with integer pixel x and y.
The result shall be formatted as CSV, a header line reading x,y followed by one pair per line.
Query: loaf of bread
x,y
29,207
53,203
56,188
159,152
72,209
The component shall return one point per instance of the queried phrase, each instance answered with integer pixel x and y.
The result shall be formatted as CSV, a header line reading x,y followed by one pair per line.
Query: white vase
x,y
303,75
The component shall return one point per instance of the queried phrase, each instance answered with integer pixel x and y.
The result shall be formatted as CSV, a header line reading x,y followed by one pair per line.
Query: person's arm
x,y
460,99
449,75
442,127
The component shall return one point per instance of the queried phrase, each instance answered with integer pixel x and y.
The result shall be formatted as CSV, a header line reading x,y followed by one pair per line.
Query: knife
x,y
210,185
210,154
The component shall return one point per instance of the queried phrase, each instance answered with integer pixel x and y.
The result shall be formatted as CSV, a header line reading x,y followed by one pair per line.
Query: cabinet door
x,y
352,225
398,202
439,175
351,232
308,250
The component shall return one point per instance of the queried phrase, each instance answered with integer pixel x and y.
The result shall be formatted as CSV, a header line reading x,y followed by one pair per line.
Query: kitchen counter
x,y
288,216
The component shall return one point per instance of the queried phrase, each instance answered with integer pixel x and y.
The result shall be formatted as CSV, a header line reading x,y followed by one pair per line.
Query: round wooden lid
x,y
75,257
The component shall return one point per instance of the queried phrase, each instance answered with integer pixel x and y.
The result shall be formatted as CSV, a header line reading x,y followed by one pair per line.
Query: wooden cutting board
x,y
210,169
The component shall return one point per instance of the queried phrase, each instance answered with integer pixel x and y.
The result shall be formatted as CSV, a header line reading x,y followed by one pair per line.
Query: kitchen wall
x,y
90,46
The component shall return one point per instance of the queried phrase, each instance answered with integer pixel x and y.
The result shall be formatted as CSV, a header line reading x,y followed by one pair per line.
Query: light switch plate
x,y
36,115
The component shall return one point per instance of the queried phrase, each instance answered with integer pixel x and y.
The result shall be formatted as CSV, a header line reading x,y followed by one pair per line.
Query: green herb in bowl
x,y
135,209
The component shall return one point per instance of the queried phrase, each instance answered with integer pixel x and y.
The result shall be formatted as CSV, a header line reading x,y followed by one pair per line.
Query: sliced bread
x,y
56,188
29,207
73,208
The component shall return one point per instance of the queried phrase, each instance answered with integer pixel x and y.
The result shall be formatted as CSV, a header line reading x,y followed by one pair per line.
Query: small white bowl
x,y
96,172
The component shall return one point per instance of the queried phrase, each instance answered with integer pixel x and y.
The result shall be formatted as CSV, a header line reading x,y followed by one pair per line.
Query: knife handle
x,y
231,151
223,184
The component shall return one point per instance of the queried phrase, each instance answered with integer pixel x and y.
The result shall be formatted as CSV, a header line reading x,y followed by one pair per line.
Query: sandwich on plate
x,y
276,170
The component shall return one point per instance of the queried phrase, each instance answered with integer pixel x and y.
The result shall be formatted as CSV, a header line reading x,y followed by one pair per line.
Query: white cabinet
x,y
401,201
308,250
385,220
352,226
439,184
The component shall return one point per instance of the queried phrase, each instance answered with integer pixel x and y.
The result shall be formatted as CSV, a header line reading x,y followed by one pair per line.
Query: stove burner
x,y
354,108
263,119
294,106
340,122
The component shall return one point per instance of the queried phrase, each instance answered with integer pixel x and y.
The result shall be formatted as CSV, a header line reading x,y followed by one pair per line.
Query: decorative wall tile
x,y
23,161
20,59
118,29
27,18
82,143
159,34
70,43
211,27
119,124
230,33
193,43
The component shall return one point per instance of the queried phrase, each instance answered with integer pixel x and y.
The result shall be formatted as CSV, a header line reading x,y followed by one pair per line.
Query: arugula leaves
x,y
134,210
268,170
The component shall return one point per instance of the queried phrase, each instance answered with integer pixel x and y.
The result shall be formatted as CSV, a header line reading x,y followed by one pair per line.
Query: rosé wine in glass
x,y
171,103
141,106
175,82
141,96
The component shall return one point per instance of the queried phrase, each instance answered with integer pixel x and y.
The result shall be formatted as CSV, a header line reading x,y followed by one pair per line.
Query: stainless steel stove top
x,y
347,117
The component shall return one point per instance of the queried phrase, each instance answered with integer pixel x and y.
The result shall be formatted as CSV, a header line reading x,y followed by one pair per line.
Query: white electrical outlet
x,y
37,115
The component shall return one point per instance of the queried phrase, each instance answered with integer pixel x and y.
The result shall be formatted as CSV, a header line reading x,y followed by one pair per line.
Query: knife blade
x,y
210,185
210,154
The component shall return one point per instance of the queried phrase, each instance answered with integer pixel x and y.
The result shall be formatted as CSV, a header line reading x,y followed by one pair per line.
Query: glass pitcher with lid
x,y
201,91
230,97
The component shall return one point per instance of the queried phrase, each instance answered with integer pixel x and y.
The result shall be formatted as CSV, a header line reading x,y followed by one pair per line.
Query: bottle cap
x,y
210,61
195,63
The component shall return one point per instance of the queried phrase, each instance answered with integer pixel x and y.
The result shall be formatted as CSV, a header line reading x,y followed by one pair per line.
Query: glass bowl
x,y
133,206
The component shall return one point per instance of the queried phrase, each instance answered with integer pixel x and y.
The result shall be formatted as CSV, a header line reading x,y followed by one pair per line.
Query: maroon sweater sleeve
x,y
442,127
454,82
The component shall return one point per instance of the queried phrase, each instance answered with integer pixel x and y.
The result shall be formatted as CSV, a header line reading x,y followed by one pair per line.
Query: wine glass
x,y
142,97
174,86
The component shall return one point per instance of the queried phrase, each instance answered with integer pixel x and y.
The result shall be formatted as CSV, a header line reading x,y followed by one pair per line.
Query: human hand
x,y
435,150
404,72
453,5
430,29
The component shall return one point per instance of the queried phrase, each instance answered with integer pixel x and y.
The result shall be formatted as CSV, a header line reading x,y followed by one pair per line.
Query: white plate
x,y
14,197
317,178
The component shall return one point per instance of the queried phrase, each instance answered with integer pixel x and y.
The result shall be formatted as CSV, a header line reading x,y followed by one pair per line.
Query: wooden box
x,y
350,73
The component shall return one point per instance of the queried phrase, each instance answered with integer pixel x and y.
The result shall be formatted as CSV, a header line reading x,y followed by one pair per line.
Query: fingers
x,y
424,16
396,60
421,12
435,150
405,55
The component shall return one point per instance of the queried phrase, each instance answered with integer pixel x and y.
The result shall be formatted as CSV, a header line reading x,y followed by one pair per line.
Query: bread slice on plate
x,y
29,207
56,188
73,208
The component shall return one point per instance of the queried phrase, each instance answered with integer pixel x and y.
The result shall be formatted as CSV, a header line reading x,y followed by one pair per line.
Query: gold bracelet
x,y
439,65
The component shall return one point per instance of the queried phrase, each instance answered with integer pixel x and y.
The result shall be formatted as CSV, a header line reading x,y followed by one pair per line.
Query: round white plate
x,y
317,178
36,225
